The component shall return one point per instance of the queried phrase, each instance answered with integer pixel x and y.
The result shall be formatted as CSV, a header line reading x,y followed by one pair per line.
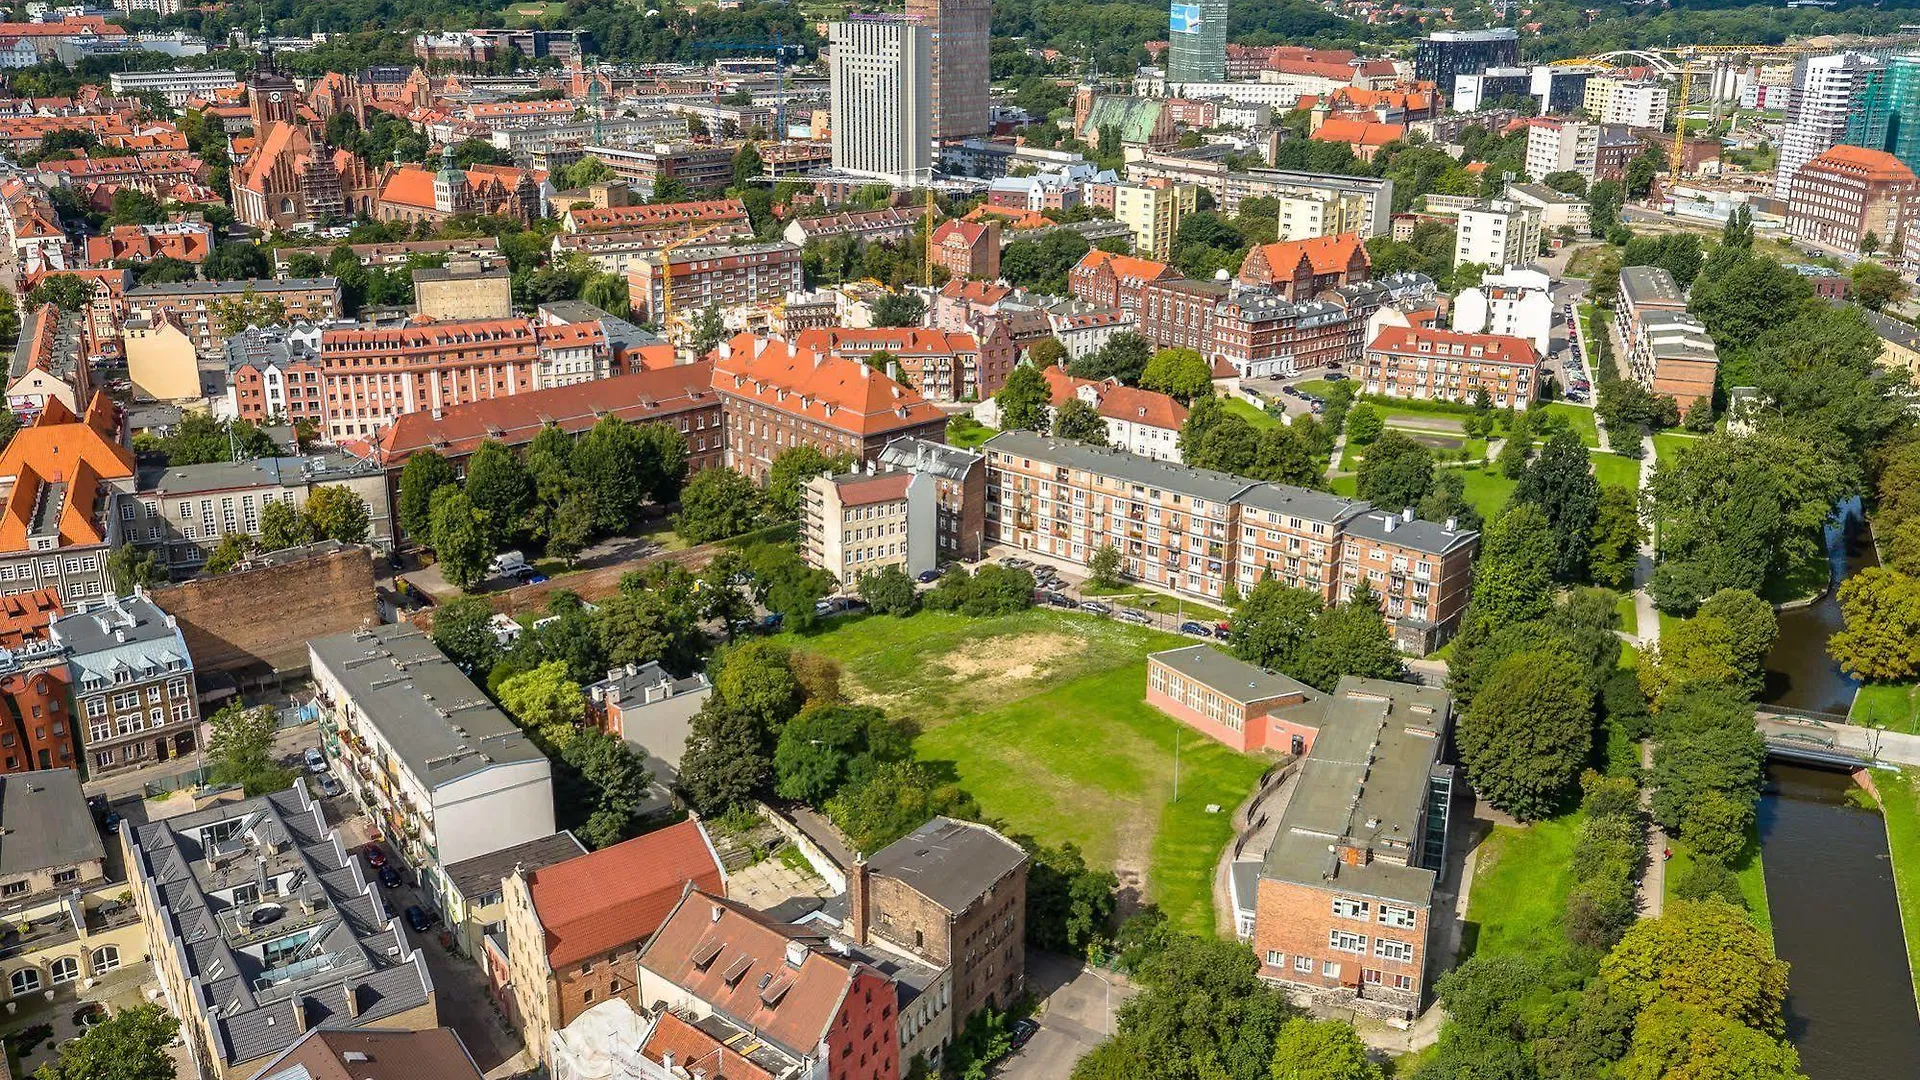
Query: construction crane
x,y
927,246
666,270
781,50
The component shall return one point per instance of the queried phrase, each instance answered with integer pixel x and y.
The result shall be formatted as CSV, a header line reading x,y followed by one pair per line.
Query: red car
x,y
376,858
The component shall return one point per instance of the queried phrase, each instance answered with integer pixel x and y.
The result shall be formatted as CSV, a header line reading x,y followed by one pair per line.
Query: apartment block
x,y
133,681
271,372
959,491
195,305
371,376
1443,365
1555,145
180,514
860,523
1497,234
1154,213
444,774
1144,422
1324,213
1849,193
262,924
881,97
943,366
1819,106
706,276
1667,350
1637,103
63,483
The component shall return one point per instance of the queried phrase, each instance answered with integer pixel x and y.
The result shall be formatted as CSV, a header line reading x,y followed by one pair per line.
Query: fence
x,y
1254,817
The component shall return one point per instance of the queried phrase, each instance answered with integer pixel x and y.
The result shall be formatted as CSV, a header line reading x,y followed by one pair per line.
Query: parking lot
x,y
1057,588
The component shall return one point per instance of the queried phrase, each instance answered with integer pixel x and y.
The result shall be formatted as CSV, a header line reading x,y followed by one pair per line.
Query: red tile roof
x,y
621,894
693,1049
1493,348
866,490
1358,132
1864,163
594,219
25,616
1116,401
845,394
1124,266
653,394
1326,254
858,344
142,242
974,292
58,448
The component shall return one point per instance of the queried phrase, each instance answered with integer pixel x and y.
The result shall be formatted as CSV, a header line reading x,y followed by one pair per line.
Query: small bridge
x,y
1807,737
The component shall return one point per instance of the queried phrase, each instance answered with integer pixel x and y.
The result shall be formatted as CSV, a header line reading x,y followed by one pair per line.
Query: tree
x,y
825,747
547,702
588,170
129,1044
1069,904
129,566
899,309
618,777
1081,422
1023,400
654,617
227,554
1396,473
898,798
1513,580
791,470
1273,623
1560,482
747,164
1881,636
424,473
1182,374
462,538
68,292
1528,732
1364,424
718,503
498,486
888,591
1447,500
281,526
725,763
1672,1040
337,513
241,749
1708,956
708,331
1738,231
1715,825
236,262
1123,357
1348,639
1875,286
1705,746
608,292
1613,550
1047,352
1104,567
1321,1050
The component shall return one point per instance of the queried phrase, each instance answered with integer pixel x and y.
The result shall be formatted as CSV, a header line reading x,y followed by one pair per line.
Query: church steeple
x,y
449,184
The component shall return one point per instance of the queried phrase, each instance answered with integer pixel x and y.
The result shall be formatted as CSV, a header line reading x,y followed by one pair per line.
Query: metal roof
x,y
44,822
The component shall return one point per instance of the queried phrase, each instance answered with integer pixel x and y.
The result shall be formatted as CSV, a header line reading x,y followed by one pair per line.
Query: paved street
x,y
1076,1009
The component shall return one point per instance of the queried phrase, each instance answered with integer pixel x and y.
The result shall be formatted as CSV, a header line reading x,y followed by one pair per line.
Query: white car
x,y
316,761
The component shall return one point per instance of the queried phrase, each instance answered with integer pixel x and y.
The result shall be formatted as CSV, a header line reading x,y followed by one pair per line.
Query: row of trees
x,y
1881,605
332,513
1293,631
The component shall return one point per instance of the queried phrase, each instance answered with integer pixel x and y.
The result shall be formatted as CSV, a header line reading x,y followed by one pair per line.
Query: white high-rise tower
x,y
1823,90
882,99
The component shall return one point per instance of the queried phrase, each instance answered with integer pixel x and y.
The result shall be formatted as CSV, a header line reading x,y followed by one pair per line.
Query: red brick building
x,y
943,366
1442,365
777,395
704,276
1101,277
968,248
1301,269
372,376
1231,701
1847,193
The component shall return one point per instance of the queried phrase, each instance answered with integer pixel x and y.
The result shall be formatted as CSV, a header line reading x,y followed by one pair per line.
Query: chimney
x,y
352,991
857,902
1452,524
1406,513
1354,855
666,1060
1389,523
299,1013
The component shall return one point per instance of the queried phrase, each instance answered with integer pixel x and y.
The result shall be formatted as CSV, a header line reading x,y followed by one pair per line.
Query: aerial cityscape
x,y
1048,539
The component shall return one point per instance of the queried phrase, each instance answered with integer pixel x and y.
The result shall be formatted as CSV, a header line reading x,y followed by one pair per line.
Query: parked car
x,y
1058,599
419,918
376,858
1336,376
1095,607
1021,1030
928,577
389,877
1196,629
1045,570
1576,396
772,621
1222,629
1019,564
316,761
330,787
1138,618
534,579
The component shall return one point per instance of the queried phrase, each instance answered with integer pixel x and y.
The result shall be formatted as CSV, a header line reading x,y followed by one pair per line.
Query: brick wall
x,y
1294,921
261,619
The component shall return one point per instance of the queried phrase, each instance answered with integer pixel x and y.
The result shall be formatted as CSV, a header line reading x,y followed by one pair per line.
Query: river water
x,y
1800,674
1850,1007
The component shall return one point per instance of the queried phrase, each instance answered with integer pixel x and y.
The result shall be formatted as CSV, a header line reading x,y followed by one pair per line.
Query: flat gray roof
x,y
260,472
1231,677
1642,285
1364,783
921,455
45,821
949,862
435,719
1416,533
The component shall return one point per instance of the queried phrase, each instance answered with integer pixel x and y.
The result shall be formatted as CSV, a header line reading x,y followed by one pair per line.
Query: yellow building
x,y
161,361
1305,217
1899,343
1154,213
474,903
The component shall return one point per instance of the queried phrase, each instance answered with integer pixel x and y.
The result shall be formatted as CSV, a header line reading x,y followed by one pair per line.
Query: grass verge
x,y
1894,706
1900,805
1670,446
1747,872
1245,410
1581,420
1487,490
1629,613
1521,880
1616,470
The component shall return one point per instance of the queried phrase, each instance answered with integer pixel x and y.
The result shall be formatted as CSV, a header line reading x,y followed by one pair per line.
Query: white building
x,y
1823,91
858,523
1562,146
1497,234
880,93
1517,303
1639,103
445,774
1558,210
176,86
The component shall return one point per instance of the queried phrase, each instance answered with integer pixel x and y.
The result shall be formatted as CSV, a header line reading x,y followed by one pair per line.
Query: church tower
x,y
271,96
449,185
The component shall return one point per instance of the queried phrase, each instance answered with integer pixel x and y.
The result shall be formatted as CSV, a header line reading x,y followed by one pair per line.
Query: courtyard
x,y
1041,716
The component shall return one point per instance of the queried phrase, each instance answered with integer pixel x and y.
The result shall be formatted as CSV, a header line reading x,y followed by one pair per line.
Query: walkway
x,y
1653,882
1647,618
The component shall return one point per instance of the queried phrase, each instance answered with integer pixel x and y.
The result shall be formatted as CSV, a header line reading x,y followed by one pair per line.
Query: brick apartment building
x,y
193,305
713,276
372,375
647,216
1668,351
1849,192
959,491
1196,531
1101,277
1341,905
274,373
943,366
38,729
1441,365
777,395
1257,333
1302,269
968,249
574,929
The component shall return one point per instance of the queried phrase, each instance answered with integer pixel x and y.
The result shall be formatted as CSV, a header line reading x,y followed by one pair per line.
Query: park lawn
x,y
1616,470
1900,806
1668,446
1581,419
1667,622
1521,879
966,433
1317,387
1347,486
1747,872
1894,706
1245,410
528,14
1351,457
1487,490
1628,613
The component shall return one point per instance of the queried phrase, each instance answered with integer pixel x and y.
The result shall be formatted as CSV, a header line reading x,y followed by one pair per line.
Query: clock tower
x,y
271,96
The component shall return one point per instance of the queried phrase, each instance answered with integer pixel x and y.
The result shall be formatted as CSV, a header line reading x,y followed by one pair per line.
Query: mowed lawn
x,y
1041,716
1521,879
1669,446
1748,873
1487,490
1616,470
1894,706
1581,419
1900,804
1245,410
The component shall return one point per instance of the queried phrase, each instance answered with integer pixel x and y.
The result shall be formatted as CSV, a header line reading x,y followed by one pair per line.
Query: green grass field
x,y
1487,490
1628,613
1348,486
1521,880
1668,446
1581,419
1244,409
1747,871
1894,706
966,433
1900,806
1041,717
1316,387
1616,470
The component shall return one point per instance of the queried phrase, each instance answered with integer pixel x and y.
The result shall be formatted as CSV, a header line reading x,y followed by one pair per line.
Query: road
x,y
1077,1008
132,784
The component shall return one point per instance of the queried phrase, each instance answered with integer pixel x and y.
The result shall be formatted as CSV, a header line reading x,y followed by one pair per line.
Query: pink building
x,y
1232,701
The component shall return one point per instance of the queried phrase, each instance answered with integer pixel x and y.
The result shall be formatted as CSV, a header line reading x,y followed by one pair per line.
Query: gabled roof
x,y
65,458
899,340
1340,129
620,895
1325,254
1117,401
1123,266
973,291
692,1048
1864,163
1489,348
845,394
969,232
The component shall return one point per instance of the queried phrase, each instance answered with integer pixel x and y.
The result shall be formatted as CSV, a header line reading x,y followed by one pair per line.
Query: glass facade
x,y
1885,114
1197,41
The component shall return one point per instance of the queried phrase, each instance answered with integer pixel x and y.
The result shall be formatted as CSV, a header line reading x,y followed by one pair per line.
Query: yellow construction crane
x,y
666,270
928,252
1679,155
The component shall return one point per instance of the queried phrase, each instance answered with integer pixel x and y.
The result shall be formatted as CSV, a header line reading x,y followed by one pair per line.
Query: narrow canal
x,y
1850,1007
1800,674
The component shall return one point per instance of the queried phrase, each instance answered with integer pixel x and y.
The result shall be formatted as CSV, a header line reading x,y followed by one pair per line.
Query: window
x,y
587,994
13,888
1393,950
24,981
1346,941
99,730
65,877
106,958
96,706
1303,964
1330,969
1402,918
1276,958
1344,908
64,970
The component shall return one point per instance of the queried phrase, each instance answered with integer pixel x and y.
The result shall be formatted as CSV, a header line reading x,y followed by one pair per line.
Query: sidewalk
x,y
1643,609
1653,881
